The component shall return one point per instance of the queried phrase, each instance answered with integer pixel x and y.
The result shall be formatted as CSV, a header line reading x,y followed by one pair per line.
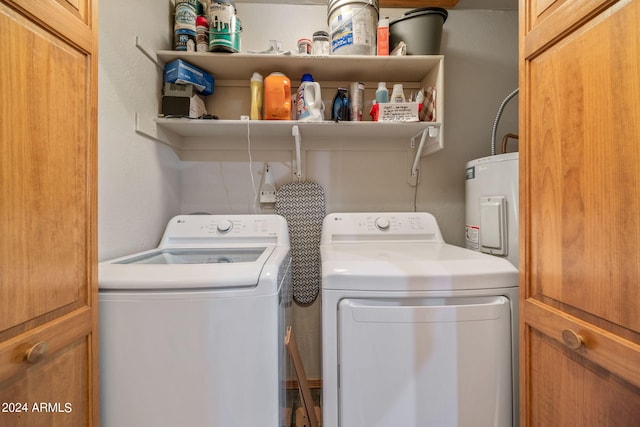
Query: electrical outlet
x,y
267,196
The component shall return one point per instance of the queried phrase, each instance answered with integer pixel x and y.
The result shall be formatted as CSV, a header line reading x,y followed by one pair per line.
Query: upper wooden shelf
x,y
232,66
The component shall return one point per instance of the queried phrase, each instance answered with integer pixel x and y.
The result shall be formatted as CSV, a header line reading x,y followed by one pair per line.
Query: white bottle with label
x,y
398,93
309,107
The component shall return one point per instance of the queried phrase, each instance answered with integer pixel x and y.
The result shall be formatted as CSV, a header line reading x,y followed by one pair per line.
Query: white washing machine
x,y
416,332
192,332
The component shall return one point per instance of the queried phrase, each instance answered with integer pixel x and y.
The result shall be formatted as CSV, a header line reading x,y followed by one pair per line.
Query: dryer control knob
x,y
382,223
224,226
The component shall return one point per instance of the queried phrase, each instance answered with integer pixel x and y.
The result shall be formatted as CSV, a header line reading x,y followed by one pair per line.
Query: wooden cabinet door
x,y
580,207
48,261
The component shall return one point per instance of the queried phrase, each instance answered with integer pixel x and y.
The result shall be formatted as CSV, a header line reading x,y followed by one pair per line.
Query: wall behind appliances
x,y
138,179
481,69
143,183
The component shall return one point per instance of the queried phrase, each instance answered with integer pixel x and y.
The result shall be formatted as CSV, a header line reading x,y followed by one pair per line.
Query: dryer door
x,y
425,362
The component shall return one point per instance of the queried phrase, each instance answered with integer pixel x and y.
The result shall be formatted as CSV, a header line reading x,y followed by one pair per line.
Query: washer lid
x,y
186,268
412,266
204,252
177,256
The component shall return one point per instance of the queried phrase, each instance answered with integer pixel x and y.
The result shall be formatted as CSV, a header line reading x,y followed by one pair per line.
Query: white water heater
x,y
491,208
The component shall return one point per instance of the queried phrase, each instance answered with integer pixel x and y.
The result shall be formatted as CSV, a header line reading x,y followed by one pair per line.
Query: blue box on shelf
x,y
182,72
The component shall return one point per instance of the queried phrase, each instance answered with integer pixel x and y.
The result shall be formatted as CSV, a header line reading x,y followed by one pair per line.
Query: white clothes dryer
x,y
192,332
415,332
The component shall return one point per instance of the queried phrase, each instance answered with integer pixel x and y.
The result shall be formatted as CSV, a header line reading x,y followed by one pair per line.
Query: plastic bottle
x,y
340,106
383,36
375,111
257,91
277,97
356,101
382,93
398,93
309,100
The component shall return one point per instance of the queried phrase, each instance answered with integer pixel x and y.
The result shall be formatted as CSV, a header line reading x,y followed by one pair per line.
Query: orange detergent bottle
x,y
277,97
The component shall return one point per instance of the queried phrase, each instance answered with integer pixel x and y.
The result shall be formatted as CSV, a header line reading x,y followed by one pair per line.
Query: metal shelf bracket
x,y
148,54
434,144
295,131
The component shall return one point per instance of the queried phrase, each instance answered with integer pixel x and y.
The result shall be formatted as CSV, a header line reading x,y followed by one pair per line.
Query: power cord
x,y
253,182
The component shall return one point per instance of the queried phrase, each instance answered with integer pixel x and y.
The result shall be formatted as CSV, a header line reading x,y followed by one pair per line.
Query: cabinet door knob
x,y
37,352
572,339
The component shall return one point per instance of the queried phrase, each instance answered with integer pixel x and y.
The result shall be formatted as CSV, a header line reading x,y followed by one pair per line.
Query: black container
x,y
340,106
420,29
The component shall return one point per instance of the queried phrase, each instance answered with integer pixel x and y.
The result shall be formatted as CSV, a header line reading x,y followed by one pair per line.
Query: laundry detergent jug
x,y
309,106
277,97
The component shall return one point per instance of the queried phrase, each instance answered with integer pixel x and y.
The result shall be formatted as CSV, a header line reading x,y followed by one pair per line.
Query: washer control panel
x,y
409,226
208,228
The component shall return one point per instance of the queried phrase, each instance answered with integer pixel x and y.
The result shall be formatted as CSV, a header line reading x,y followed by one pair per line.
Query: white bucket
x,y
353,26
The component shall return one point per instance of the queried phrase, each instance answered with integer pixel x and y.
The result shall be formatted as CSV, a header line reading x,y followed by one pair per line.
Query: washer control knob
x,y
224,226
382,223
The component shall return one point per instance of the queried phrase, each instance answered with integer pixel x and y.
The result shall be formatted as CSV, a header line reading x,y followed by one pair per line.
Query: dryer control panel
x,y
386,226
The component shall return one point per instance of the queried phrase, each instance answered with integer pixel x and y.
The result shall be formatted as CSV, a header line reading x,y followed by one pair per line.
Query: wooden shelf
x,y
281,129
233,66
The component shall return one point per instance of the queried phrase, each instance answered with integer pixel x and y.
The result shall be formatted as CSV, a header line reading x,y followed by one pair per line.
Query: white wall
x,y
142,183
481,69
138,179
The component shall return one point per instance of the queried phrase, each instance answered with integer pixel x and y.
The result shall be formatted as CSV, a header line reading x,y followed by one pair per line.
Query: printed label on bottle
x,y
354,27
342,30
185,17
302,111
